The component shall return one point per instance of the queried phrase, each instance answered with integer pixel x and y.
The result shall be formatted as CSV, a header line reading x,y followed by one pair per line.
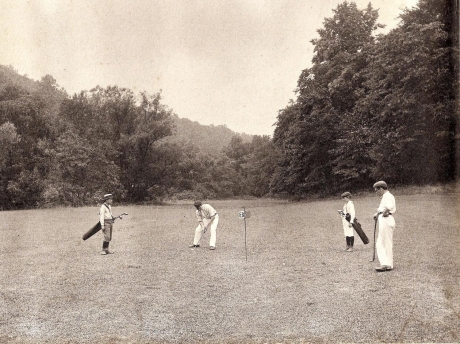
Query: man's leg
x,y
388,240
105,246
108,226
351,241
198,233
384,242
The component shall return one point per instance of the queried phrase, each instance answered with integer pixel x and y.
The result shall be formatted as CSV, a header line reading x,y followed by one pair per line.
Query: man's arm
x,y
351,211
101,216
210,222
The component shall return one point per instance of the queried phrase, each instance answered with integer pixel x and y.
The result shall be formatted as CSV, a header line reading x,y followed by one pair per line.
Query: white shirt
x,y
387,203
205,212
349,208
105,213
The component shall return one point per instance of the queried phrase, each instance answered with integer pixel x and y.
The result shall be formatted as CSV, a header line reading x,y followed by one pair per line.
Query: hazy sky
x,y
232,62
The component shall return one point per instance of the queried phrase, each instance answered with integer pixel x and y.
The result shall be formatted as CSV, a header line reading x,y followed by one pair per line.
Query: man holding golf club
x,y
106,220
384,216
348,208
207,219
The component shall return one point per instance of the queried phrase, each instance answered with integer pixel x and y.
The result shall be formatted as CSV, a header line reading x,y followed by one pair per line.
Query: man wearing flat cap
x,y
384,215
106,220
207,219
348,208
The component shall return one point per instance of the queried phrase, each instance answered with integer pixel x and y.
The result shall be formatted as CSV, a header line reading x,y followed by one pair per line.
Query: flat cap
x,y
197,204
380,184
107,196
346,194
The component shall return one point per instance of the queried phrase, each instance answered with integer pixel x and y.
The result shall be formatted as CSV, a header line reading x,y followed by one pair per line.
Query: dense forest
x,y
371,106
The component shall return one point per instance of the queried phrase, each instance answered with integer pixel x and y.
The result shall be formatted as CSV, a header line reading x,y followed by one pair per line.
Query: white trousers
x,y
213,229
384,244
347,230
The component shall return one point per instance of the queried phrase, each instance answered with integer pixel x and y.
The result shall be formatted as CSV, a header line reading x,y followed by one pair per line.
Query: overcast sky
x,y
232,62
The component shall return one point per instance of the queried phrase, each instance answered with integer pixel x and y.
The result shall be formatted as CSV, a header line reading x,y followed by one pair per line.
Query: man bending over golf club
x,y
207,219
384,215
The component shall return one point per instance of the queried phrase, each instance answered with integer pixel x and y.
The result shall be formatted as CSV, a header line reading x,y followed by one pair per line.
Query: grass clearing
x,y
298,285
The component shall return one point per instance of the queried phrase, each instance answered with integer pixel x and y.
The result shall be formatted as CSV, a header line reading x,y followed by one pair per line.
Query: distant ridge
x,y
209,139
8,75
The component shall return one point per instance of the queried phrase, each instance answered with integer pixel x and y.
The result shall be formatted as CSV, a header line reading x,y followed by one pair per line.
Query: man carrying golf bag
x,y
348,208
106,220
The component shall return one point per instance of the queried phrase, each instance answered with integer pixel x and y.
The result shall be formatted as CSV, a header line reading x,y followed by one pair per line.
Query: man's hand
x,y
375,216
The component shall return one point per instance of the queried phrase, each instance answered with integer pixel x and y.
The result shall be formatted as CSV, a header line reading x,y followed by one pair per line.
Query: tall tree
x,y
22,115
80,172
259,166
410,99
327,93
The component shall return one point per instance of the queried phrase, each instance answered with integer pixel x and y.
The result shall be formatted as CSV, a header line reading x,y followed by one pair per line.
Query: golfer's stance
x,y
106,220
384,215
348,208
207,219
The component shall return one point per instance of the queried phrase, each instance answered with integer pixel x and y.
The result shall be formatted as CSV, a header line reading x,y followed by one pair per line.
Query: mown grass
x,y
297,285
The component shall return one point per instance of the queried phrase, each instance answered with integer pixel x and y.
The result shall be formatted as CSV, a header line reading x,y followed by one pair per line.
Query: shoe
x,y
212,248
192,246
383,268
350,249
104,253
109,252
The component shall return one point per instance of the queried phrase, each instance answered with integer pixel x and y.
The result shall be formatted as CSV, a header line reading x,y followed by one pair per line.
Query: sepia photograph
x,y
229,172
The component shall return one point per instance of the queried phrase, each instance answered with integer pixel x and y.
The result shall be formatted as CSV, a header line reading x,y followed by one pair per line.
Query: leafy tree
x,y
372,107
410,100
237,151
80,172
125,128
152,123
23,124
347,32
311,134
260,165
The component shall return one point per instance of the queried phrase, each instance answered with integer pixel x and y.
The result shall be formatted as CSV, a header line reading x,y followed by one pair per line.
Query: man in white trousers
x,y
385,211
106,220
348,208
207,219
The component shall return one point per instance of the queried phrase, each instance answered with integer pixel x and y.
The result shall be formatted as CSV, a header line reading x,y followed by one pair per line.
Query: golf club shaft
x,y
375,229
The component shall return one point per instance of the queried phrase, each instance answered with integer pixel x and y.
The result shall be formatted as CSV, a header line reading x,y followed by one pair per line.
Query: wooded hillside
x,y
209,139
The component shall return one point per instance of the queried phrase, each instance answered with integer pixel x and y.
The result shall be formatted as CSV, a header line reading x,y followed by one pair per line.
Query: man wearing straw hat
x,y
348,208
106,220
384,215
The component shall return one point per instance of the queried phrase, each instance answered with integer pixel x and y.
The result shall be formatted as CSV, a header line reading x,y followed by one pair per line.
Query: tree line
x,y
370,107
65,150
373,106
